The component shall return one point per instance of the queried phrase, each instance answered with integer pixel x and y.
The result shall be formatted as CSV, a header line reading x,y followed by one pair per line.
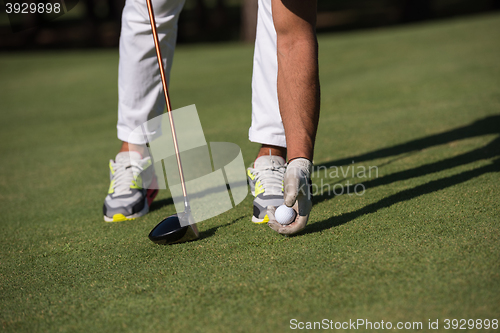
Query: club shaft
x,y
167,98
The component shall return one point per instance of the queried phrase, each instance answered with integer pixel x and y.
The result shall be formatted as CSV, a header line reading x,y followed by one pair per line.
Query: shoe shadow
x,y
155,205
210,232
485,126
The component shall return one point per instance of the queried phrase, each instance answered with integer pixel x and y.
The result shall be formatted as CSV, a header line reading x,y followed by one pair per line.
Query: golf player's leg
x,y
299,99
266,127
140,98
267,172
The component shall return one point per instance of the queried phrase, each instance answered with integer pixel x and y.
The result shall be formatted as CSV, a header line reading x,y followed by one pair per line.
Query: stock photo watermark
x,y
369,325
27,14
338,180
330,177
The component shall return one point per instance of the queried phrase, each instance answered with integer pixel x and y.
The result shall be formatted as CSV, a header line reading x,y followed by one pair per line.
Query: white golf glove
x,y
297,194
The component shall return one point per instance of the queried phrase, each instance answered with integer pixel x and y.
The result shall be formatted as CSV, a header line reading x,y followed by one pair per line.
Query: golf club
x,y
170,231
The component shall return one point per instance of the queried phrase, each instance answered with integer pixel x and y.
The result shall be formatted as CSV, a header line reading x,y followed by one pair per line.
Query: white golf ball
x,y
285,215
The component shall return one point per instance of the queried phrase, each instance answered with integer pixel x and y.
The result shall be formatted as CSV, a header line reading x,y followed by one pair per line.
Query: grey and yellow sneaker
x,y
266,184
129,195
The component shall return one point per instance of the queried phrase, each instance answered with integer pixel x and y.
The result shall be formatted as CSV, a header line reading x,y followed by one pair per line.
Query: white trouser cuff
x,y
267,138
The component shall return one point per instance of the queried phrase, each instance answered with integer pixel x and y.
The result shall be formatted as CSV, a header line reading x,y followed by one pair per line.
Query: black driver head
x,y
170,231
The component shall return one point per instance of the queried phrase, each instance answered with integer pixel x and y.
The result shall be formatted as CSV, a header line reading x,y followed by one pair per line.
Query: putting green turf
x,y
420,103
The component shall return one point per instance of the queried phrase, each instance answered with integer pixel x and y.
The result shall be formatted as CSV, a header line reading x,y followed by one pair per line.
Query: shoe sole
x,y
150,196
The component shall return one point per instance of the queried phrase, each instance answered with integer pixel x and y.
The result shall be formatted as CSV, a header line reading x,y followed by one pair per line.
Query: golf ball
x,y
284,215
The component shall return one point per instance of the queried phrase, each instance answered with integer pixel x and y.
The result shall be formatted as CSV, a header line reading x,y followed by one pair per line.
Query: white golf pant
x,y
140,92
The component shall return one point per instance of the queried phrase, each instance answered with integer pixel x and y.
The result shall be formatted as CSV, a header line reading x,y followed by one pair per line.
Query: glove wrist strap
x,y
297,158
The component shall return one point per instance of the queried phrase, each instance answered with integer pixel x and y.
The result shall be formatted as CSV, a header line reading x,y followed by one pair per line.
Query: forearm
x,y
298,79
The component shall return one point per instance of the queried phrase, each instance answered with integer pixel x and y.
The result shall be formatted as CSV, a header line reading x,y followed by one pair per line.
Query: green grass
x,y
421,103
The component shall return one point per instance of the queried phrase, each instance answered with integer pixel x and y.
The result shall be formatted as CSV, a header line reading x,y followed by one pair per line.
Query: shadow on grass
x,y
160,203
488,125
485,126
405,195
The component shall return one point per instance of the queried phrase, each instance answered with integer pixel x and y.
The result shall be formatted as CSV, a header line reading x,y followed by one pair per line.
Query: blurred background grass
x,y
96,23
